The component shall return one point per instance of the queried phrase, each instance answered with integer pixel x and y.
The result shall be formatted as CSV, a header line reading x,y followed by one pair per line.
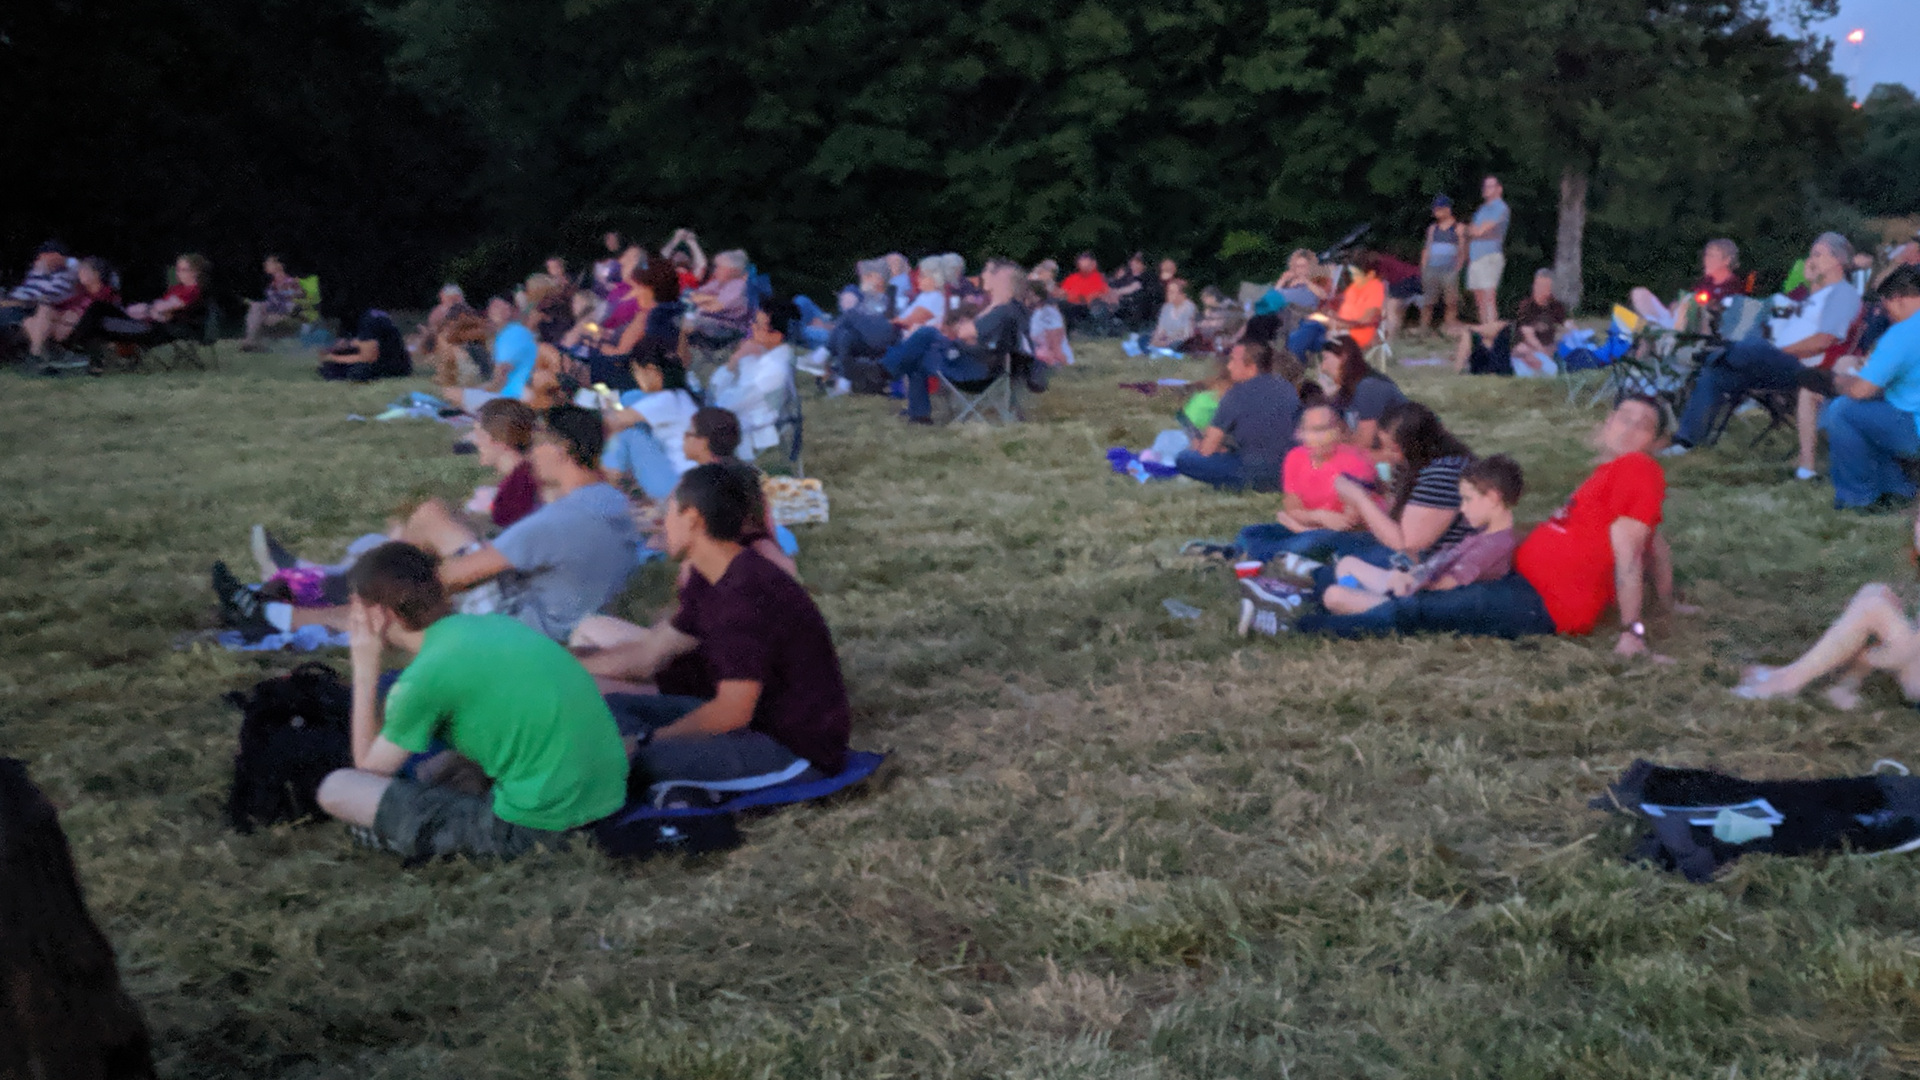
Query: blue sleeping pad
x,y
642,830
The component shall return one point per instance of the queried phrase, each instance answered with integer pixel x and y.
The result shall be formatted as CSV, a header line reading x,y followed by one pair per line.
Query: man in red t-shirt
x,y
1598,549
1085,296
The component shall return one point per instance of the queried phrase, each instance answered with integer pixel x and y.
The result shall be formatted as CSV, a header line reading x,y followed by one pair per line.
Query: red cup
x,y
1247,569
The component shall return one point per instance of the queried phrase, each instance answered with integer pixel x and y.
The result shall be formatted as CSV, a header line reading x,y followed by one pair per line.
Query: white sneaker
x,y
1676,450
1266,612
814,363
840,388
1805,474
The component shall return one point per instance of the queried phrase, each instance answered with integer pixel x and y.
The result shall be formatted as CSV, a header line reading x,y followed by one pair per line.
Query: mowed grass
x,y
1109,844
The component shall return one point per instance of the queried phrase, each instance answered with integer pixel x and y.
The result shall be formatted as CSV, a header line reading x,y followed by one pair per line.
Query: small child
x,y
1489,488
1307,499
1197,414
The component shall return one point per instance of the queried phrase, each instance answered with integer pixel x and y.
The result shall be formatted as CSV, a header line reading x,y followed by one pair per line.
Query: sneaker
x,y
1805,474
1210,550
1264,611
1676,450
814,363
268,554
1131,346
1290,567
840,388
240,606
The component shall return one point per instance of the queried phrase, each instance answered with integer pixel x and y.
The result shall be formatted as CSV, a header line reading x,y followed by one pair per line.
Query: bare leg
x,y
353,796
333,618
604,632
39,327
1845,691
1344,601
256,322
438,529
1371,578
1462,351
1874,613
1806,416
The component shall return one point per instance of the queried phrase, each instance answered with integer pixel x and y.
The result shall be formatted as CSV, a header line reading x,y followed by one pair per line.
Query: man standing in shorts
x,y
1487,248
534,753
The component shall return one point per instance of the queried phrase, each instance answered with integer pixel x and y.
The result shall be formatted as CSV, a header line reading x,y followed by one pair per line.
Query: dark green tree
x,y
1883,177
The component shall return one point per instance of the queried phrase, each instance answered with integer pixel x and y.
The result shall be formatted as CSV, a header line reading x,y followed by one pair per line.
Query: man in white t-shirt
x,y
755,383
1804,325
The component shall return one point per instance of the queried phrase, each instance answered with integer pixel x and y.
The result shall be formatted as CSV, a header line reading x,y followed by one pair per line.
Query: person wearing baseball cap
x,y
1440,263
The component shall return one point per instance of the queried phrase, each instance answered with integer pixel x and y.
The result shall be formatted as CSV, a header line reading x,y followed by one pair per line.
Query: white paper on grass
x,y
1758,809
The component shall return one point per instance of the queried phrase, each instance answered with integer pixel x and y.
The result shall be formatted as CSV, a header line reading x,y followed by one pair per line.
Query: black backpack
x,y
294,730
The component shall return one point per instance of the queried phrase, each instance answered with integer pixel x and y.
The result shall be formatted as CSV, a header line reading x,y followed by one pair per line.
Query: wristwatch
x,y
1637,629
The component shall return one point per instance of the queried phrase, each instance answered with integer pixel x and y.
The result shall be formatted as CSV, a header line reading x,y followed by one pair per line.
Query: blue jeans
x,y
1264,542
1222,470
1309,337
1753,364
1507,608
925,353
804,332
638,452
1866,442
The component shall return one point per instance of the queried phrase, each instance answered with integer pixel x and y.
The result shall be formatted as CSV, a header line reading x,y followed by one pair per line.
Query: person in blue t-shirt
x,y
514,351
1873,422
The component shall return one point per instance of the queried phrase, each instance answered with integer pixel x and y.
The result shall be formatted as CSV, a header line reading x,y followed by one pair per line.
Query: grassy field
x,y
1108,844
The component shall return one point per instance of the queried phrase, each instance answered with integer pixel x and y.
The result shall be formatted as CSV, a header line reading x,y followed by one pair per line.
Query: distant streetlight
x,y
1856,37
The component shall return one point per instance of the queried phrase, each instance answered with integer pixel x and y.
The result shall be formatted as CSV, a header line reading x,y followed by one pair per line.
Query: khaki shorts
x,y
1437,285
1484,272
427,821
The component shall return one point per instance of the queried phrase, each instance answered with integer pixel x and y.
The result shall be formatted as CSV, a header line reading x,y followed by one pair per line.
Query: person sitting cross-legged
x,y
751,692
1873,421
1817,317
375,351
1308,502
532,752
1257,413
1601,549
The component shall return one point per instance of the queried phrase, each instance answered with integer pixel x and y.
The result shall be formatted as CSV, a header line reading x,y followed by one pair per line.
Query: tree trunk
x,y
1567,282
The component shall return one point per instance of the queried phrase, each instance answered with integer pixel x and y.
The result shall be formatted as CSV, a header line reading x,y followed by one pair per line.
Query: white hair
x,y
933,272
1837,245
457,291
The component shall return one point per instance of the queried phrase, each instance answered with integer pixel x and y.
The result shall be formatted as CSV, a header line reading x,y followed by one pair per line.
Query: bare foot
x,y
1843,697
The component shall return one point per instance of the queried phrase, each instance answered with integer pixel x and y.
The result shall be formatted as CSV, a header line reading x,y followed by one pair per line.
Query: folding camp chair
x,y
187,342
987,400
791,424
1781,406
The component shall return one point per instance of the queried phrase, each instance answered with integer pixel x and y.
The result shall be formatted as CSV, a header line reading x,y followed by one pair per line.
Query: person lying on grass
x,y
551,569
1871,635
1308,502
1597,551
1489,490
523,749
750,689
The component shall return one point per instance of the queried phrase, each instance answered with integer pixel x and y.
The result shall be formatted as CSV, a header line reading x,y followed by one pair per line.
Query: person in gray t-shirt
x,y
562,562
1251,431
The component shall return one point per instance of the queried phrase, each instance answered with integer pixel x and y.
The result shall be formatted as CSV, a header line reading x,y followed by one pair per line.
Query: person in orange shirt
x,y
1357,316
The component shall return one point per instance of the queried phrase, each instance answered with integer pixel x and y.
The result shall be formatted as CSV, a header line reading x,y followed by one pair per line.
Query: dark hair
x,y
1313,397
1423,440
579,430
509,421
781,312
1260,355
719,427
1902,282
672,375
403,579
660,279
1288,366
1368,262
1499,474
960,313
67,1014
727,495
1659,408
1353,368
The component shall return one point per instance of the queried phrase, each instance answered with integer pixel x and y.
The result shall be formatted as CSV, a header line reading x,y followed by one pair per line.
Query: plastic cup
x,y
1247,569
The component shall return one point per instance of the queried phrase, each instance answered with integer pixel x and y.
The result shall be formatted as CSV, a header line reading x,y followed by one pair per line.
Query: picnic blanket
x,y
643,829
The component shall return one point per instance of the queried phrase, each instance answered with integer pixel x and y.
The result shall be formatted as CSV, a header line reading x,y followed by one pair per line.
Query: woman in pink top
x,y
1308,501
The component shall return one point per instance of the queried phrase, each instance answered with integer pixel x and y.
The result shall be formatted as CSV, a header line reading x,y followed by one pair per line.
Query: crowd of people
x,y
618,410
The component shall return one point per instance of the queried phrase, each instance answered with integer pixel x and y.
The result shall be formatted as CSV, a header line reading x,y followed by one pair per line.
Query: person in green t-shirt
x,y
534,750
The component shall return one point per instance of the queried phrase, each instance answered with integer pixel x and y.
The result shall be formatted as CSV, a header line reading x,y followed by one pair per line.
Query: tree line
x,y
389,143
